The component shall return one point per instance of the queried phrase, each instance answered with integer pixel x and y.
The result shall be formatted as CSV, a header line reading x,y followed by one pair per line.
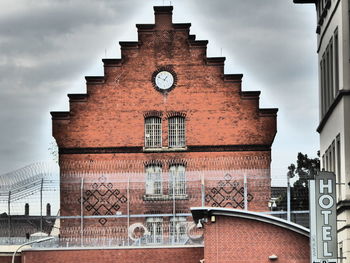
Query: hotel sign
x,y
323,218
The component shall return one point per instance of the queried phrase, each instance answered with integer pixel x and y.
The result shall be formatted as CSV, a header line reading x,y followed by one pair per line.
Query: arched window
x,y
48,209
177,179
26,209
154,179
177,132
153,132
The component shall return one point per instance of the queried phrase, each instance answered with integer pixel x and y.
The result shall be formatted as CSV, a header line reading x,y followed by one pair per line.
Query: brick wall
x,y
149,255
112,112
239,240
107,123
7,258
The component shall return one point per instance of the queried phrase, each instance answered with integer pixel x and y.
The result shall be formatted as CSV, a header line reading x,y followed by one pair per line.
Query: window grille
x,y
154,179
153,132
177,180
155,228
177,132
177,229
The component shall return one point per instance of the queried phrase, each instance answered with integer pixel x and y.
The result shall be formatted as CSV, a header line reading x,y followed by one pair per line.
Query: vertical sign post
x,y
323,218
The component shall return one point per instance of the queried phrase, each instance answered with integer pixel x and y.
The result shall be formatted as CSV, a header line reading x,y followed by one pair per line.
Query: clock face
x,y
164,80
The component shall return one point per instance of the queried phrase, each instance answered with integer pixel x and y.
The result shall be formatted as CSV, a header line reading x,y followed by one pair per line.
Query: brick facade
x,y
107,124
149,255
241,240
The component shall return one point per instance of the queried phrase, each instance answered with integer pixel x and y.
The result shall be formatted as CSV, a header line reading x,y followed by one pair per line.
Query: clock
x,y
164,79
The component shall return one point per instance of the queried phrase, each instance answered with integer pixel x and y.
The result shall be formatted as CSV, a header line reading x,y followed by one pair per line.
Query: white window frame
x,y
155,228
154,179
177,230
176,132
153,132
177,179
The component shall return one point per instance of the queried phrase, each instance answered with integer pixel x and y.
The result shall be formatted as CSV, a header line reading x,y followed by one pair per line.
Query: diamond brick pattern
x,y
228,193
103,199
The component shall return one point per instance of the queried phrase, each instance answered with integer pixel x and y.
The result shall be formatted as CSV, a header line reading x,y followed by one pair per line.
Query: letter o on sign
x,y
326,205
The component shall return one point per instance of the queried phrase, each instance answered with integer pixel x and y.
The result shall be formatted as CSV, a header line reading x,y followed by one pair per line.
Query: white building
x,y
333,48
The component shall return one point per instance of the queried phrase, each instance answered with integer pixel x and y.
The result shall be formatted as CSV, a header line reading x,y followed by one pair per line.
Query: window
x,y
155,228
177,180
177,132
178,229
154,179
336,61
153,132
338,165
323,163
341,253
322,99
329,73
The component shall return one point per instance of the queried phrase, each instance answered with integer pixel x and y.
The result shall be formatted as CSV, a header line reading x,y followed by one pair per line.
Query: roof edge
x,y
201,212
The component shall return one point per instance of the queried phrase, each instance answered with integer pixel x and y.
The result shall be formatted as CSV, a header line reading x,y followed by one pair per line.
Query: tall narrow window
x,y
336,62
26,209
177,180
155,228
323,162
153,132
324,83
328,98
154,179
322,99
178,229
177,132
338,165
331,85
341,253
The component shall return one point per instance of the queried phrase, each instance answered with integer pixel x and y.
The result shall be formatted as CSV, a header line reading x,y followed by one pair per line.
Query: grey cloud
x,y
47,45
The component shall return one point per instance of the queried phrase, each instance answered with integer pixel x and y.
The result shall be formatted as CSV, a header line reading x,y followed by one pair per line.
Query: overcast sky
x,y
48,46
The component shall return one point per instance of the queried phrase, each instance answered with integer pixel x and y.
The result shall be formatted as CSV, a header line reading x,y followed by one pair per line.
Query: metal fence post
x,y
128,208
82,212
9,215
174,209
202,190
245,185
41,205
288,198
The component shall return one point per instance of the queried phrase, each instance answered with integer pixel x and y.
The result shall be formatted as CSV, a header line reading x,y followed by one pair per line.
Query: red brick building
x,y
234,236
166,116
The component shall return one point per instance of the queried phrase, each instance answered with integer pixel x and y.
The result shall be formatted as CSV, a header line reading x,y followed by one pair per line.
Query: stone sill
x,y
164,197
165,149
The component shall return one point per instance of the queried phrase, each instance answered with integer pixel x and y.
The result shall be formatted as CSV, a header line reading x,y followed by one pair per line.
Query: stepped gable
x,y
218,112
